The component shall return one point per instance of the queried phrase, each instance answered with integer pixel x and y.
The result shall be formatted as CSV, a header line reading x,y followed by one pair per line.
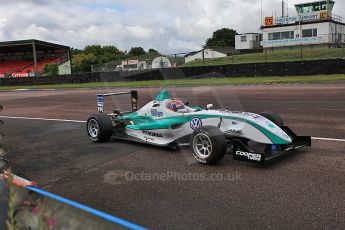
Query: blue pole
x,y
103,215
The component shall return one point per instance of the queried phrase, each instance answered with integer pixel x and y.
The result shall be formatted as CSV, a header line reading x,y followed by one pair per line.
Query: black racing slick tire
x,y
275,118
99,127
208,145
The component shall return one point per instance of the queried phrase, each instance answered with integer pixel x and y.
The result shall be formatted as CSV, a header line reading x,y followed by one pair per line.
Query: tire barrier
x,y
3,162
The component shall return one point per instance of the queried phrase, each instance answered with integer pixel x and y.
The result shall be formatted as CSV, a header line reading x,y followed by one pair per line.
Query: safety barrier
x,y
317,67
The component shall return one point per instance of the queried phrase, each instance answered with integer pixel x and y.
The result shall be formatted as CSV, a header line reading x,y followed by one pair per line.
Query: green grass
x,y
276,56
190,82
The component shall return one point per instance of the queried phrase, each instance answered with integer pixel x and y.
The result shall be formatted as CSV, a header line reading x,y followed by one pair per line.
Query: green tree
x,y
152,51
51,69
94,54
136,51
82,62
222,38
76,51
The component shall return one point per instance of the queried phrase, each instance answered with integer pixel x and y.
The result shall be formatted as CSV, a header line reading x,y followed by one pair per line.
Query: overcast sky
x,y
170,26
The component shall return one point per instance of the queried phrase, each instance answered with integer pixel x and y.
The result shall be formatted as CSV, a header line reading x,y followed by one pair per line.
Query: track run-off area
x,y
163,188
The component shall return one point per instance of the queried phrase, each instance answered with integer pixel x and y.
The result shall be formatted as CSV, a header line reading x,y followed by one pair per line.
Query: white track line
x,y
76,121
327,139
42,119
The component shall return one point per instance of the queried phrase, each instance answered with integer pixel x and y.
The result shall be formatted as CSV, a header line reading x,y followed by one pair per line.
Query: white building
x,y
131,65
248,41
208,54
161,63
314,25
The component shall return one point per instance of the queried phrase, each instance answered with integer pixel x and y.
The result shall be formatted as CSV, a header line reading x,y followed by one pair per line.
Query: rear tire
x,y
208,145
275,118
99,127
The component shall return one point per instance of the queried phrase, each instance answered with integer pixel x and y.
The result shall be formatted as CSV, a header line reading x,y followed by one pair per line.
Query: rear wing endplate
x,y
134,99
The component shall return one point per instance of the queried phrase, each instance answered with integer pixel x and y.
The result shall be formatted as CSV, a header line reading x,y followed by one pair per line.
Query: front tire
x,y
99,127
275,118
208,145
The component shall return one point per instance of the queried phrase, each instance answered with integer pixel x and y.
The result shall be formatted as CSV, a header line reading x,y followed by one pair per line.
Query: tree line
x,y
82,59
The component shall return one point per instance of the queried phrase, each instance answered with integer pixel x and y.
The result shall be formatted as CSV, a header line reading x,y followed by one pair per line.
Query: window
x,y
285,35
288,35
276,36
324,6
316,6
299,9
307,9
308,33
281,35
243,38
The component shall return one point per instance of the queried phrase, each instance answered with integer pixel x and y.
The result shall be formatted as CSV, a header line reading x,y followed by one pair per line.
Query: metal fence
x,y
148,61
305,52
277,54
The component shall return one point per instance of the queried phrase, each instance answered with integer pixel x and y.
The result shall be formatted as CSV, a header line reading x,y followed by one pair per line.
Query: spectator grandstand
x,y
27,58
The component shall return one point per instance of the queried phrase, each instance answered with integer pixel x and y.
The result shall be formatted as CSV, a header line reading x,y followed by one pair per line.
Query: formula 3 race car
x,y
210,133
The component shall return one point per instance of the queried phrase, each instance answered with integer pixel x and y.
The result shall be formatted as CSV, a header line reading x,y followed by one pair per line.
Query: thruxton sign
x,y
314,16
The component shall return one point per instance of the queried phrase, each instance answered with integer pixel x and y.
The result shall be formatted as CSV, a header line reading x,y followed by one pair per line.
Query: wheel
x,y
208,145
275,118
99,127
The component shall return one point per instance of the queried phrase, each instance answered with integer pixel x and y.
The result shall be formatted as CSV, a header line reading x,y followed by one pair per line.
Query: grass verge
x,y
276,56
190,82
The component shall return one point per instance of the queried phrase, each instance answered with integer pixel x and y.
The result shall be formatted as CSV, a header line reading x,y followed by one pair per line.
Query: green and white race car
x,y
210,133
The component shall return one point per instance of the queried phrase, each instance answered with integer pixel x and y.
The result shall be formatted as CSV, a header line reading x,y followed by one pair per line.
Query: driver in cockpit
x,y
176,105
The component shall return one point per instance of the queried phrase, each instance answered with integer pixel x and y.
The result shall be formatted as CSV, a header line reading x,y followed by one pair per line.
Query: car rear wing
x,y
134,99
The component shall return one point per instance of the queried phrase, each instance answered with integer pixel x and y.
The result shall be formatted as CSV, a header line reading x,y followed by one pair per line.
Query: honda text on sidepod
x,y
210,133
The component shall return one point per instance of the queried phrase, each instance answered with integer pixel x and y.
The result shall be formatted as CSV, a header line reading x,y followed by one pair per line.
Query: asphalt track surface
x,y
305,190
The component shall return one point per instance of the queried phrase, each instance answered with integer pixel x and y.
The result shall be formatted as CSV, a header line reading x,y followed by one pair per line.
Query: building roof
x,y
248,33
192,53
303,23
224,50
25,45
312,2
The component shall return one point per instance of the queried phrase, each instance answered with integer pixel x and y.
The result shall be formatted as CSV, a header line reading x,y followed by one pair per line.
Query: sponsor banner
x,y
287,42
20,75
130,62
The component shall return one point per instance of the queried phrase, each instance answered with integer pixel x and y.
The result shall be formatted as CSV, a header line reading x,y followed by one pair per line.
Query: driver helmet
x,y
175,105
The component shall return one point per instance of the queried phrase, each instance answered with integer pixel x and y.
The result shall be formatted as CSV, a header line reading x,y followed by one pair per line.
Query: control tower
x,y
315,6
314,25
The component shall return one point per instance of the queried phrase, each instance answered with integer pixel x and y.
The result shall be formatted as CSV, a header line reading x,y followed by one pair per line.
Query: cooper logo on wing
x,y
195,123
250,156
